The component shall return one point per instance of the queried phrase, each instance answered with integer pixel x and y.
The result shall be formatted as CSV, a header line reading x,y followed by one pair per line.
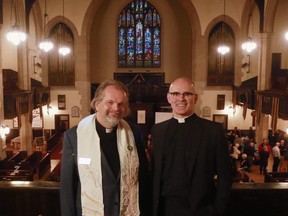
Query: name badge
x,y
84,161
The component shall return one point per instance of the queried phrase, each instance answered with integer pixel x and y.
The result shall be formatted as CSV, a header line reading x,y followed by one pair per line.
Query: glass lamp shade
x,y
46,45
4,130
249,45
223,49
64,50
16,36
286,35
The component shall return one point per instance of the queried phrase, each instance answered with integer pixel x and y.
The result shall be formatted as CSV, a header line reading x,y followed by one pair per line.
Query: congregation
x,y
252,161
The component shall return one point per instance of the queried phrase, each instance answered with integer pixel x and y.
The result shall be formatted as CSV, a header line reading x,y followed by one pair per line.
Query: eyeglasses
x,y
177,95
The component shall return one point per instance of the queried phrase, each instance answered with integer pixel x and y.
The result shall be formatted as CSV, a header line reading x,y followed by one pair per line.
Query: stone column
x,y
24,84
2,141
82,75
264,81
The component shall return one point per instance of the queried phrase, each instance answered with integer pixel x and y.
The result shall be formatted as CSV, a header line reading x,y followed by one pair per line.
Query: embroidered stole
x,y
90,173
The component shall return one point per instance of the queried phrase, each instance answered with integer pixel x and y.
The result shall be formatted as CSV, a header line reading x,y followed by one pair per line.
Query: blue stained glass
x,y
141,6
148,38
148,19
122,21
139,44
137,7
156,51
158,19
121,47
122,41
156,36
139,35
148,47
154,18
130,47
128,19
139,38
132,21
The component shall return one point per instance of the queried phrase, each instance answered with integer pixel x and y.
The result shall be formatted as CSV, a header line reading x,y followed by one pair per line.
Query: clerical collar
x,y
102,129
108,130
182,120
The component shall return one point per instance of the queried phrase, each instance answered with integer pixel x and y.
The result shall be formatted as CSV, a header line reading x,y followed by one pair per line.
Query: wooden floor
x,y
255,175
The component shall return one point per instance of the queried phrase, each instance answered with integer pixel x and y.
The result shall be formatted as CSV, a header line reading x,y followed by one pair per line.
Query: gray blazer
x,y
70,187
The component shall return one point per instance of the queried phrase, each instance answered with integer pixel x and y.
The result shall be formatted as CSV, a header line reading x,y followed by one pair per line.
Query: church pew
x,y
32,161
8,165
54,140
9,154
44,165
16,175
55,174
19,156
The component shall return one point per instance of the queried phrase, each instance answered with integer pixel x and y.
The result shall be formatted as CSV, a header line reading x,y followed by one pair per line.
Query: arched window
x,y
139,36
221,67
61,68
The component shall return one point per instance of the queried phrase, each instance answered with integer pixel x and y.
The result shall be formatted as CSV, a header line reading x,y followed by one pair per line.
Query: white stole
x,y
90,173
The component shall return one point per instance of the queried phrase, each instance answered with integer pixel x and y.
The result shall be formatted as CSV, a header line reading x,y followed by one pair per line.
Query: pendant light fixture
x,y
15,35
46,45
63,50
250,44
223,48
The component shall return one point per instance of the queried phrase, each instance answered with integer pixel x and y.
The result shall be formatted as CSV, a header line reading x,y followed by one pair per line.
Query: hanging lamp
x,y
223,48
46,45
15,35
250,44
63,49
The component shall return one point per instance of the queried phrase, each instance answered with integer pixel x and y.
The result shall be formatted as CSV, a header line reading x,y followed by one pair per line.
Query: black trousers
x,y
174,207
276,164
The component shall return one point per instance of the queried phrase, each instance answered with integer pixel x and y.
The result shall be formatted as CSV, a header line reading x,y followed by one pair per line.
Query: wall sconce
x,y
287,130
35,61
50,111
286,36
231,111
4,131
246,65
36,65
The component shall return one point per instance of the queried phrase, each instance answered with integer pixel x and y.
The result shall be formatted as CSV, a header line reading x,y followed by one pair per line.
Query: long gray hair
x,y
99,93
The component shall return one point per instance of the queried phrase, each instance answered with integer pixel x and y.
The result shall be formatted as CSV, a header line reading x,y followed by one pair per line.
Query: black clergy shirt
x,y
174,193
108,144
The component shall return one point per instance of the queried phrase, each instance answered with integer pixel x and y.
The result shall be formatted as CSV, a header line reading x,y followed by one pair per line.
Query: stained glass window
x,y
61,68
139,36
221,67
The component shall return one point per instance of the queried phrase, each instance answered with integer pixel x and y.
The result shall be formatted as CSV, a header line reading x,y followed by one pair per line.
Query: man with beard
x,y
104,169
190,160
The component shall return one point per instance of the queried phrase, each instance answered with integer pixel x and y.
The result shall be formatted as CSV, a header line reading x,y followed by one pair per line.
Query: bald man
x,y
190,159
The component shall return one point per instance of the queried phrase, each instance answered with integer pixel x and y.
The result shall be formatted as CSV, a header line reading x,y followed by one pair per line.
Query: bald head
x,y
180,81
182,97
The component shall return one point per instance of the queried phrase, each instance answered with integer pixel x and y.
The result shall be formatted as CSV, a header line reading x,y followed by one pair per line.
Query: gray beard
x,y
112,121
